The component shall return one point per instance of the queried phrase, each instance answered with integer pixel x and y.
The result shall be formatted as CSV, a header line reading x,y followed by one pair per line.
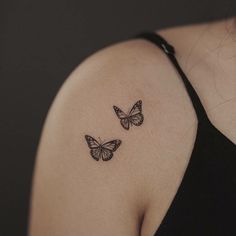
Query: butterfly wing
x,y
136,109
108,148
106,154
96,153
122,116
135,115
112,145
125,123
136,119
119,112
93,144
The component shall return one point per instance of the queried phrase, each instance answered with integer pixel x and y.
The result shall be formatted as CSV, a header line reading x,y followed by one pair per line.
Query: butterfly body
x,y
102,151
134,117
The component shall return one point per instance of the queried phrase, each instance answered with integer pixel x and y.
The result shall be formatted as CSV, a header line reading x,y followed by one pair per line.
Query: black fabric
x,y
205,202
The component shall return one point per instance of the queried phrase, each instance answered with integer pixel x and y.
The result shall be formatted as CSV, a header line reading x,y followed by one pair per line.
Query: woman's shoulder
x,y
118,75
131,61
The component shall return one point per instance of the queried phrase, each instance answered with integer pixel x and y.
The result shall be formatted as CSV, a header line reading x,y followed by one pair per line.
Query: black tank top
x,y
205,202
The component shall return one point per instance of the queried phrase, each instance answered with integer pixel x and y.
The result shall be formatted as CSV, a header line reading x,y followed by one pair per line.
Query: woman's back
x,y
131,193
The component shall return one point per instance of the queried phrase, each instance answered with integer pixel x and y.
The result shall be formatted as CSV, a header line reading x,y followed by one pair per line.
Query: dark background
x,y
41,42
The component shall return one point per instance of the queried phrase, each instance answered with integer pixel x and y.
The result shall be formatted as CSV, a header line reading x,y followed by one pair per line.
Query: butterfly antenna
x,y
100,141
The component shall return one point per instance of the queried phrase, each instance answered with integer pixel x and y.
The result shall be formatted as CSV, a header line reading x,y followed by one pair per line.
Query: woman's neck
x,y
223,34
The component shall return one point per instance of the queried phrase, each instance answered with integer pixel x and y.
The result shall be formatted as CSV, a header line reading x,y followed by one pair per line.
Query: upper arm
x,y
73,194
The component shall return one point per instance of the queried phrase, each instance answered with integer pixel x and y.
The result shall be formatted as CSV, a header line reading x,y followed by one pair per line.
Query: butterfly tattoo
x,y
134,117
100,150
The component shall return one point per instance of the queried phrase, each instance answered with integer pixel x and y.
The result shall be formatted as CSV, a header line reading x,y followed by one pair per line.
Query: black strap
x,y
170,52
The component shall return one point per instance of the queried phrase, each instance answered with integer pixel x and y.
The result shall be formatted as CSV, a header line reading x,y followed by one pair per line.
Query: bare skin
x,y
73,194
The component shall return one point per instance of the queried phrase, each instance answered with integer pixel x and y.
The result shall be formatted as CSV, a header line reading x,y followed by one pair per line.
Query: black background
x,y
41,42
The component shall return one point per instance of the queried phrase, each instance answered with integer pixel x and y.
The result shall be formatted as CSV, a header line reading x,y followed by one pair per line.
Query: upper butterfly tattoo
x,y
135,116
102,150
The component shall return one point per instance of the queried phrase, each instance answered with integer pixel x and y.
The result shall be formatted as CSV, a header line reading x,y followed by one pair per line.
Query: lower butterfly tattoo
x,y
100,150
134,117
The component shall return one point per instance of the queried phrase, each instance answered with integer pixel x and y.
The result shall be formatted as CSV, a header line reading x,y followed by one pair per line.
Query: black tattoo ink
x,y
100,150
135,116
